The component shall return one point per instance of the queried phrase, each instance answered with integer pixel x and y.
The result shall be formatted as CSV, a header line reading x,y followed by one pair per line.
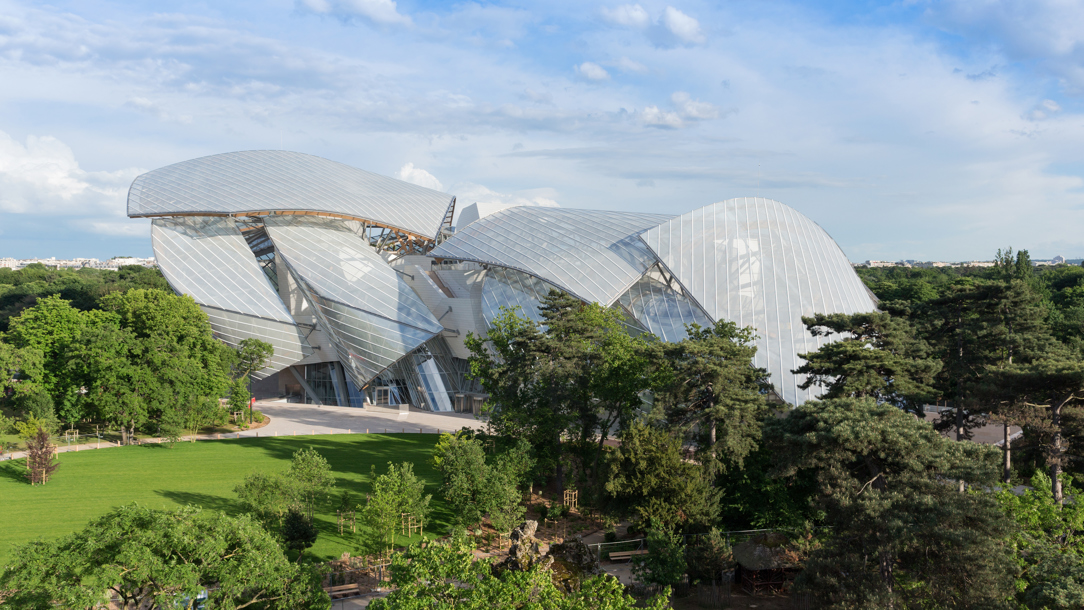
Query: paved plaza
x,y
294,418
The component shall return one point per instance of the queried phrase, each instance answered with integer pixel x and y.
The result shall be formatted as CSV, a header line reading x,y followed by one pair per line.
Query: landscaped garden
x,y
205,473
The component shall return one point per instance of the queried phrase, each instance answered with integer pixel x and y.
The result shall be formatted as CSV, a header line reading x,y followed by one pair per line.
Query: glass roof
x,y
760,263
275,180
661,308
592,255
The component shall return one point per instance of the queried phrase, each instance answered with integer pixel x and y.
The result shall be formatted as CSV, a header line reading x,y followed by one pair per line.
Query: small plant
x,y
543,512
610,535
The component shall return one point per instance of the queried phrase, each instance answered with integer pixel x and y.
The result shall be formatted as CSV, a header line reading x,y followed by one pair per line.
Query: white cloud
x,y
652,116
417,175
43,177
384,12
468,192
592,71
628,65
682,26
693,109
1043,110
627,15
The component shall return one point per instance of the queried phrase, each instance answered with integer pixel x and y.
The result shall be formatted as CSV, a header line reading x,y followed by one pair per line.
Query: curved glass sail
x,y
593,255
209,259
372,316
278,180
658,303
760,263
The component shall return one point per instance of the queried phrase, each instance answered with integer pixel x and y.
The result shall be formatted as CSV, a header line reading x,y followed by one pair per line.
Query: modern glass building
x,y
367,291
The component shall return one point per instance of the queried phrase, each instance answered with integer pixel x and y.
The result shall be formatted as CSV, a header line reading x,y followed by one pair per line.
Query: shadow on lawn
x,y
14,470
357,454
205,501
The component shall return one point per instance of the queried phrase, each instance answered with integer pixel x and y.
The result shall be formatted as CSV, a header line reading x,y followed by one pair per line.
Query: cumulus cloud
x,y
681,26
693,109
627,15
384,12
43,177
652,116
1043,110
628,65
417,175
592,71
672,27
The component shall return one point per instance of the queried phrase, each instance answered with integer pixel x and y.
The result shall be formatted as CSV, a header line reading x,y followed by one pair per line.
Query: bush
x,y
543,512
610,535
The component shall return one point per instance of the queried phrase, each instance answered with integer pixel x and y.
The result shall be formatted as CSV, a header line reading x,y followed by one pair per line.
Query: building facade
x,y
367,291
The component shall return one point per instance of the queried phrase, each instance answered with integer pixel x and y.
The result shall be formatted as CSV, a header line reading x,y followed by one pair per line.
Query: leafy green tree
x,y
445,575
158,558
716,389
462,464
252,355
650,476
298,531
393,494
665,562
310,475
21,371
872,355
901,536
573,376
267,497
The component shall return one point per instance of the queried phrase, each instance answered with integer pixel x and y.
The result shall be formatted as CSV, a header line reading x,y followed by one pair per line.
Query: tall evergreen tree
x,y
716,392
876,355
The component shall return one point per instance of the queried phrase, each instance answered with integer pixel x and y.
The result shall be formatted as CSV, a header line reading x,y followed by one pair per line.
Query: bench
x,y
343,591
619,555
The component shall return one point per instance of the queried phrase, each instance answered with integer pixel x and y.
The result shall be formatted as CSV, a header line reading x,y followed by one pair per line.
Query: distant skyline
x,y
920,129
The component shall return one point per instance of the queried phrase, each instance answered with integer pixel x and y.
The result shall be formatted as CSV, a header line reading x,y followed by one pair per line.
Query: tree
x,y
444,575
715,388
267,497
573,376
874,355
298,531
475,488
39,458
650,477
252,355
394,494
21,371
310,474
665,562
1049,386
158,558
901,535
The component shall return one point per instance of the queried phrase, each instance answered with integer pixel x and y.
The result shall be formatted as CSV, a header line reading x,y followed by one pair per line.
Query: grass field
x,y
90,483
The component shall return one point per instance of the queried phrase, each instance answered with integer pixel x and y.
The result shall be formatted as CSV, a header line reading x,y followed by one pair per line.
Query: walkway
x,y
293,419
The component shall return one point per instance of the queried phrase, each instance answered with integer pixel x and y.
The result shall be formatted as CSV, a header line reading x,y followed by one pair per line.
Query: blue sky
x,y
915,129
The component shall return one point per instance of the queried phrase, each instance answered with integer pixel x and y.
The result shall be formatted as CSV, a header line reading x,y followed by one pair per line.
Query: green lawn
x,y
90,483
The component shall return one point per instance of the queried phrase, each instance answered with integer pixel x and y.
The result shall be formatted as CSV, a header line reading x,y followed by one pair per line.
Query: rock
x,y
527,530
576,553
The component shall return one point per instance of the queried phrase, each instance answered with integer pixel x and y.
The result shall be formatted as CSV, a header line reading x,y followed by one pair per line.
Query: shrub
x,y
665,562
709,556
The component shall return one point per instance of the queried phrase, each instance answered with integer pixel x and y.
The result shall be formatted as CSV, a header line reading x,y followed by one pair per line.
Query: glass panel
x,y
593,255
760,263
